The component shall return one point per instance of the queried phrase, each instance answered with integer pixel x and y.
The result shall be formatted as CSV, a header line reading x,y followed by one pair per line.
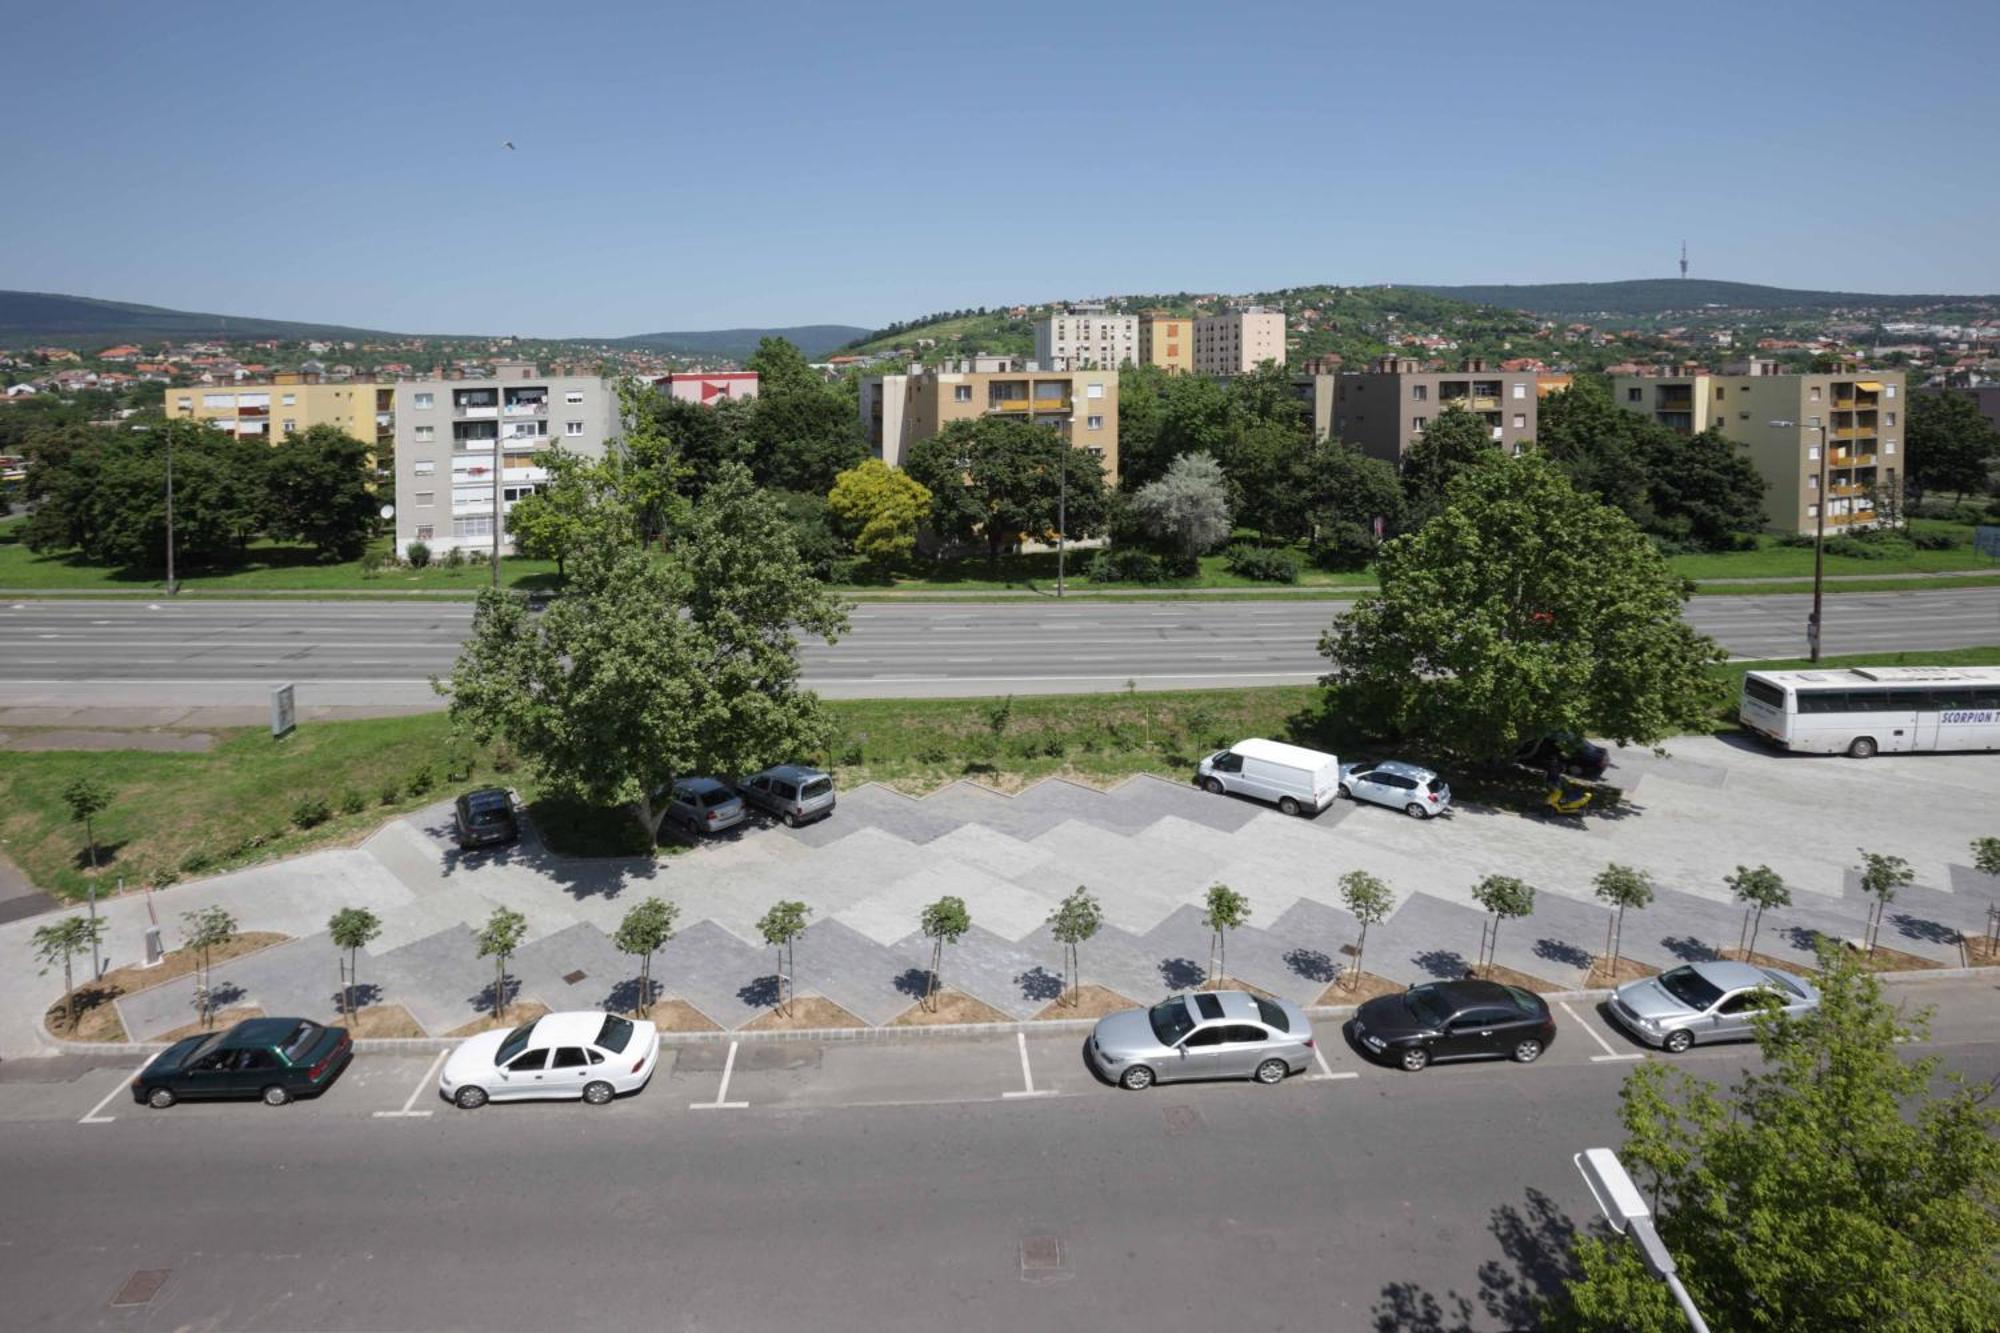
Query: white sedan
x,y
589,1054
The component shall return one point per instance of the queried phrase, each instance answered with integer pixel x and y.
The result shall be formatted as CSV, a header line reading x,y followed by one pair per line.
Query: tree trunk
x,y
500,990
69,995
1360,947
90,839
1493,948
1618,941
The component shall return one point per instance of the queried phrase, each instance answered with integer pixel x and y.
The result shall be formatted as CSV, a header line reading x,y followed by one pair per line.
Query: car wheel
x,y
1677,1042
1528,1051
791,820
1415,811
470,1099
276,1096
1414,1058
1863,747
1136,1079
598,1093
161,1098
1343,792
1272,1072
1214,785
1288,806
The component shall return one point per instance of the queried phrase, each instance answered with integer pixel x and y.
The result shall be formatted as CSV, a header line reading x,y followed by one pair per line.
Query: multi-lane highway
x,y
383,653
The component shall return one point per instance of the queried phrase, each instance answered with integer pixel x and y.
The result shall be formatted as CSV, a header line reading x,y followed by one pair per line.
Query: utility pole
x,y
172,587
499,457
1062,500
1814,622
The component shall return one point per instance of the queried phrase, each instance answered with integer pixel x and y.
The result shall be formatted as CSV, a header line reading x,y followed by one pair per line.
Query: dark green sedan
x,y
275,1059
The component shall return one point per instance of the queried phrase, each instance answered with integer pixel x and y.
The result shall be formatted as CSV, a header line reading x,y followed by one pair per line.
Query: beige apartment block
x,y
1086,338
1239,341
289,403
1383,410
1166,341
1861,410
897,411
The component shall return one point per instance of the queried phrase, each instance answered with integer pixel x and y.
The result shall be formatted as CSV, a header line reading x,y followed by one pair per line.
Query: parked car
x,y
704,805
275,1059
1454,1020
1211,1034
1296,779
794,793
1706,1002
1581,758
1417,792
587,1054
484,817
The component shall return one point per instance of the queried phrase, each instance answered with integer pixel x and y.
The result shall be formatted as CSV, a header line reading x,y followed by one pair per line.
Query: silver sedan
x,y
1706,1002
1210,1034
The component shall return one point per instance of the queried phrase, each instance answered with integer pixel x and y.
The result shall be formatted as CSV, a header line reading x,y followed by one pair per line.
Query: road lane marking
x,y
92,1117
1027,1073
430,1074
1609,1053
1325,1069
728,1068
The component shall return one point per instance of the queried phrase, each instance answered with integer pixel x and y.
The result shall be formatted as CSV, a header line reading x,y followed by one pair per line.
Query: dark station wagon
x,y
274,1059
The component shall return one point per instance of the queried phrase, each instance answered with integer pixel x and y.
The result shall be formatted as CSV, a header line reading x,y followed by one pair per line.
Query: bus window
x,y
1764,692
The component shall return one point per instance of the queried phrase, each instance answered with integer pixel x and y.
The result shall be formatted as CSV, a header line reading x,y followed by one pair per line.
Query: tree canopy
x,y
1000,480
1187,510
879,508
1949,445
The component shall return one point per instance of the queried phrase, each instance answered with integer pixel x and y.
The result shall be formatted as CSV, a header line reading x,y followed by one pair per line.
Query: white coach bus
x,y
1867,710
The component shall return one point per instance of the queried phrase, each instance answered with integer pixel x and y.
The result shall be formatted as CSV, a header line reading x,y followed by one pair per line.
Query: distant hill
x,y
1654,296
814,340
83,321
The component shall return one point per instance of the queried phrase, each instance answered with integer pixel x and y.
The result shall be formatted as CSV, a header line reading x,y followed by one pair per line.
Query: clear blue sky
x,y
763,164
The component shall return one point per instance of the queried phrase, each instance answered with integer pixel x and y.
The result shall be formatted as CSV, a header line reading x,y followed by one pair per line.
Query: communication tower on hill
x,y
1684,259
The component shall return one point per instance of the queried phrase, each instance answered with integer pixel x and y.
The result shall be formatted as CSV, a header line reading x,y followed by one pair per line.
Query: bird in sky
x,y
508,145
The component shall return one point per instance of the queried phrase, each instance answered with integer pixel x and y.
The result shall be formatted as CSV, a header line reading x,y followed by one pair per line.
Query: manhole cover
x,y
1181,1119
141,1287
1040,1254
573,977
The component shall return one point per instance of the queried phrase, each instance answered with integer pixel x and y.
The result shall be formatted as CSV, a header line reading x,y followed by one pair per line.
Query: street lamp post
x,y
172,587
1814,623
1062,503
499,460
1625,1209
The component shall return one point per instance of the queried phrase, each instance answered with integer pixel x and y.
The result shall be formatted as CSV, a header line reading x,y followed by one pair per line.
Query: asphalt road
x,y
848,1186
348,653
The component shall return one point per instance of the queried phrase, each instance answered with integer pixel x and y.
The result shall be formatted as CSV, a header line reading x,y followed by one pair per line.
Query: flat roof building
x,y
1086,338
1166,341
1239,341
288,403
1081,405
708,386
1383,410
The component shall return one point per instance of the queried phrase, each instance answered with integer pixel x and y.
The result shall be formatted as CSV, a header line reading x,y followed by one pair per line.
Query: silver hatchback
x,y
1706,1002
794,793
1210,1034
703,805
1417,792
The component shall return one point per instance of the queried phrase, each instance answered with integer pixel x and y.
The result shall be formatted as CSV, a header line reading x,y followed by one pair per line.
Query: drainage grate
x,y
573,977
1182,1119
141,1287
1040,1254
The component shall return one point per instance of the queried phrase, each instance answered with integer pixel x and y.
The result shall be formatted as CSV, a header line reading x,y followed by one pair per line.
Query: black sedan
x,y
1454,1020
275,1059
484,817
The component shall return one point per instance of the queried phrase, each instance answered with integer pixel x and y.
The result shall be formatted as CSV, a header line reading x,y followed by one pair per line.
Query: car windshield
x,y
304,1037
615,1035
1170,1021
816,787
1789,988
1273,1016
489,811
1423,1002
1690,987
517,1041
1523,1001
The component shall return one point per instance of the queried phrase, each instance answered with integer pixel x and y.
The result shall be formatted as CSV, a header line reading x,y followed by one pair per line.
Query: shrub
x,y
391,793
420,781
1263,563
1123,565
933,754
1054,746
1796,540
352,802
161,877
852,755
311,812
1345,546
419,555
458,765
504,759
197,861
1939,541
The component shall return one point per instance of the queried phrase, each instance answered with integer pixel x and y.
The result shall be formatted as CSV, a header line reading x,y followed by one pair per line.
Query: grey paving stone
x,y
1554,942
872,981
610,979
1428,939
442,980
1012,976
718,973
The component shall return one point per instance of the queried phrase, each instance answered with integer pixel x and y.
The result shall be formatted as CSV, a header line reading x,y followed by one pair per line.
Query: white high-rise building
x,y
1086,338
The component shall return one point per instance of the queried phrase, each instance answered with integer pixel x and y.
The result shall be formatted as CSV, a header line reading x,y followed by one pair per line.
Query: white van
x,y
1297,779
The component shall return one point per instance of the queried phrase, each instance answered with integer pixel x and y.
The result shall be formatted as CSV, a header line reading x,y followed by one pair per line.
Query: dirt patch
x,y
224,1020
805,1011
1091,1002
382,1020
1366,986
1980,951
96,1015
1893,960
1603,978
1766,960
1236,983
1507,976
519,1012
949,1006
678,1016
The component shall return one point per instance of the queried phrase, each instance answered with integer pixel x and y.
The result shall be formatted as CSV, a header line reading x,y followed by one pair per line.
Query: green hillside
x,y
1654,296
83,321
955,333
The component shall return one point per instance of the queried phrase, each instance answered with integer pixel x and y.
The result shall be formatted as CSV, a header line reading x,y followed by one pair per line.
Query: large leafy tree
x,y
1187,510
1840,1186
781,367
1262,460
1141,412
879,507
1001,479
683,446
652,667
1602,447
1453,441
320,493
1949,444
575,507
802,438
1340,492
1524,607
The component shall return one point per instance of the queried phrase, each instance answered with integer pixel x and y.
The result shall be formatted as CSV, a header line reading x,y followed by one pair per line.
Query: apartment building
x,y
708,386
452,433
290,402
1383,410
1082,405
1166,341
1239,341
1861,411
1086,338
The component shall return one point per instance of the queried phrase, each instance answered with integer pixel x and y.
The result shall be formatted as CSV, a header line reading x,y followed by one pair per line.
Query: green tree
x,y
1839,1186
1622,887
1187,510
1521,609
1452,442
1001,479
1986,855
1073,922
1504,896
879,509
1369,901
649,668
1340,493
1262,460
1196,417
1141,411
1602,447
87,798
802,439
1759,888
1704,489
320,492
573,508
1948,444
781,368
781,928
207,929
644,931
942,923
498,939
352,929
1881,877
1222,911
60,942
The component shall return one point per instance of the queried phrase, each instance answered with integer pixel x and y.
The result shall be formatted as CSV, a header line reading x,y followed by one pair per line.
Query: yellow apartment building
x,y
291,402
1082,405
1166,341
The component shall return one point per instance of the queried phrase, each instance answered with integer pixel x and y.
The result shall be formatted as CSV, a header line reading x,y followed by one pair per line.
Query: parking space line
x,y
406,1113
728,1067
92,1117
1326,1070
1609,1053
1027,1073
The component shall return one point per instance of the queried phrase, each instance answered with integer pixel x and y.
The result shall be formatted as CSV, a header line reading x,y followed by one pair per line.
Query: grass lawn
x,y
1037,571
1773,560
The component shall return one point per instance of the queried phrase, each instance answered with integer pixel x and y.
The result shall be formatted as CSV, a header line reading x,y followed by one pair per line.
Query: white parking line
x,y
728,1067
430,1075
92,1117
1027,1073
1609,1054
1325,1069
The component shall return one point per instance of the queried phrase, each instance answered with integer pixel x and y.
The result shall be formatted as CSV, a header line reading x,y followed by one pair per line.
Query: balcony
x,y
1027,406
538,407
488,412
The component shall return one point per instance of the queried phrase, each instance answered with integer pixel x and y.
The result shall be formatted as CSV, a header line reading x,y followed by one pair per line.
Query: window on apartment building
x,y
961,393
1812,453
427,468
1417,423
290,427
425,499
218,400
422,400
1812,481
425,434
1520,421
186,404
1889,448
572,428
1520,391
288,400
573,396
1718,393
424,531
1812,511
1094,391
480,525
1888,391
1888,418
1812,393
1420,393
1094,423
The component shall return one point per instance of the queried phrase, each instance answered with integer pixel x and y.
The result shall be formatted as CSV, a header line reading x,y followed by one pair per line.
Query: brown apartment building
x,y
1238,342
1383,410
1081,405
